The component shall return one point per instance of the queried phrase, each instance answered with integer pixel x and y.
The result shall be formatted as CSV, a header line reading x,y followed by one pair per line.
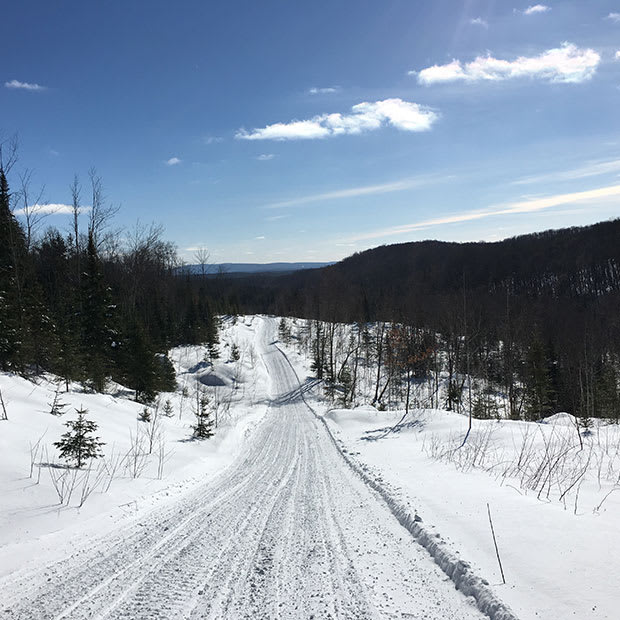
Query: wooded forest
x,y
92,305
535,318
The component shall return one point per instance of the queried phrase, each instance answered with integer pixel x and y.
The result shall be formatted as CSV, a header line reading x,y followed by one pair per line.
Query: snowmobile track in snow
x,y
287,531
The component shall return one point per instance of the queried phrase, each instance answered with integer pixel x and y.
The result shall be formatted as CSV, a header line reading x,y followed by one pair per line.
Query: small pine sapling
x,y
145,415
168,410
78,444
203,429
57,406
234,353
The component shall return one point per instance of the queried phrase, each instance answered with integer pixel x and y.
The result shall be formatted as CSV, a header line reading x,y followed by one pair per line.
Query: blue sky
x,y
268,131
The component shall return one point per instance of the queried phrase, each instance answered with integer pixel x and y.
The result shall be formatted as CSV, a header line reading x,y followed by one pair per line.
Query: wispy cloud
x,y
17,85
617,56
212,139
524,206
536,8
323,91
366,116
478,21
567,64
51,209
353,192
173,161
265,157
273,218
614,17
591,169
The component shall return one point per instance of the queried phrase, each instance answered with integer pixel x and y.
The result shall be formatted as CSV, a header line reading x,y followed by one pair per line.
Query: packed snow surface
x,y
560,558
285,529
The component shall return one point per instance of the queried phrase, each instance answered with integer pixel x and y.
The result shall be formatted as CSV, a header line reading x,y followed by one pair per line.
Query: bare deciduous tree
x,y
30,208
100,214
201,256
8,152
76,191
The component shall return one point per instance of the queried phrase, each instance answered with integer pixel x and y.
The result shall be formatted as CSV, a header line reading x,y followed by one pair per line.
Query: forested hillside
x,y
535,317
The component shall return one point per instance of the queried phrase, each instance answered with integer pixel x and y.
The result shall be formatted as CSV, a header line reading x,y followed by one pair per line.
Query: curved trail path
x,y
287,531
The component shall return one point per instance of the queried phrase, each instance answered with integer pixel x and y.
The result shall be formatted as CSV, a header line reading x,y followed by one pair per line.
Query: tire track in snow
x,y
286,531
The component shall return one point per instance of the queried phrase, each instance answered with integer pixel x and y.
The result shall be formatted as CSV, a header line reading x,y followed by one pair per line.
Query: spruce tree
x,y
97,332
78,444
57,406
539,393
139,365
59,285
203,429
12,250
166,375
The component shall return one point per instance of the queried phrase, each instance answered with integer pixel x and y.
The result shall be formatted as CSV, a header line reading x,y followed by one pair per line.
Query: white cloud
x,y
212,139
16,84
265,156
617,56
524,206
51,209
591,169
567,64
323,91
478,21
273,218
536,8
614,17
366,116
353,192
173,161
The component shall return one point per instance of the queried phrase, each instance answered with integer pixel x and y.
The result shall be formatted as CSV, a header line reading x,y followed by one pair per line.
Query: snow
x,y
297,508
285,530
557,562
30,513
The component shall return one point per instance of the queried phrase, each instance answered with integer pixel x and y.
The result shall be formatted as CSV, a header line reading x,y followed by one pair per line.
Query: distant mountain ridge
x,y
248,268
417,279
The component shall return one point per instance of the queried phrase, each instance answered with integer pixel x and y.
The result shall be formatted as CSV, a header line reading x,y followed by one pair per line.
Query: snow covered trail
x,y
287,531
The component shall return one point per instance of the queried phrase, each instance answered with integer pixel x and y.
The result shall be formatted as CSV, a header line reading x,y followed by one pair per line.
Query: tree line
x,y
533,319
93,305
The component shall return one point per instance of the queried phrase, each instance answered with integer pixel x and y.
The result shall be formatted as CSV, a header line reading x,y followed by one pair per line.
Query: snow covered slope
x,y
557,555
127,480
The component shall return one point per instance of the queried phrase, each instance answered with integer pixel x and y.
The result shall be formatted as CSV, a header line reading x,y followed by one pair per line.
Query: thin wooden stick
x,y
4,414
495,542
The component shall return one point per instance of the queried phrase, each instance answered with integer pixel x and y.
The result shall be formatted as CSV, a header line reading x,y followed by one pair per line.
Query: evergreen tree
x,y
97,333
234,353
59,286
57,406
12,250
539,394
139,366
166,375
78,444
168,410
203,429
